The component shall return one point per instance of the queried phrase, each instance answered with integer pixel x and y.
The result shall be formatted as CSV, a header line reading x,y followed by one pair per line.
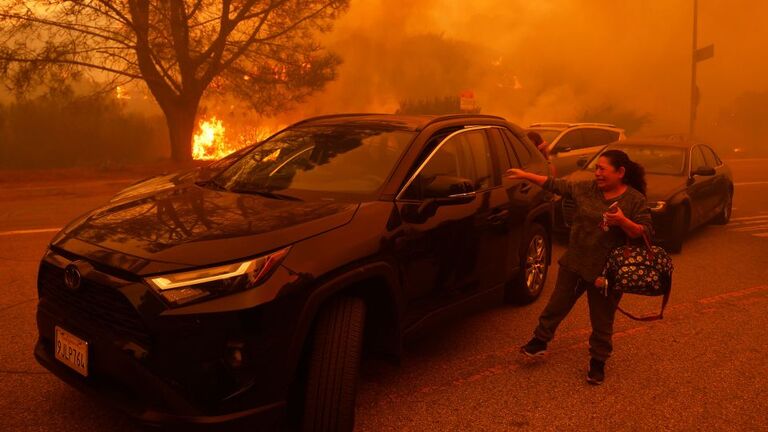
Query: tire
x,y
725,214
333,367
534,256
681,224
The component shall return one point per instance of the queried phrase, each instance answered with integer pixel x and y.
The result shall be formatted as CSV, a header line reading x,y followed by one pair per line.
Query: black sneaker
x,y
534,348
596,374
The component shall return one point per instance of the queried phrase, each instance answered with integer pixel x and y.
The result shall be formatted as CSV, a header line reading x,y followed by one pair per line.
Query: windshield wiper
x,y
213,184
267,194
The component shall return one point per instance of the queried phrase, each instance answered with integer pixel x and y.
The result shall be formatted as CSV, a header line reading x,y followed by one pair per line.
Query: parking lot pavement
x,y
704,367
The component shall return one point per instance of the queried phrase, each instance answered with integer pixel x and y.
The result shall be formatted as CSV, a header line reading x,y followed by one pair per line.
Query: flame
x,y
211,142
121,93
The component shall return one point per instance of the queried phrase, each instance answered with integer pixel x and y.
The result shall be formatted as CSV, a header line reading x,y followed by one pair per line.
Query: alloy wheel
x,y
536,264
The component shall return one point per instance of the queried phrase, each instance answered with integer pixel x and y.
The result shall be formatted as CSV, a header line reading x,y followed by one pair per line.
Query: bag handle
x,y
646,318
648,246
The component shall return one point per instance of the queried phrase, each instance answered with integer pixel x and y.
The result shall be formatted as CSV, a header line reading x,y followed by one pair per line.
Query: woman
x,y
595,231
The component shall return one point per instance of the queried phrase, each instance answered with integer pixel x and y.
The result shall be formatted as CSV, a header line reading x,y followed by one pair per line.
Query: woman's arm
x,y
559,186
634,226
515,174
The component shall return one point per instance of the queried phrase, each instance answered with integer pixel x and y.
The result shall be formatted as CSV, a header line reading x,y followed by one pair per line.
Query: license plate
x,y
72,351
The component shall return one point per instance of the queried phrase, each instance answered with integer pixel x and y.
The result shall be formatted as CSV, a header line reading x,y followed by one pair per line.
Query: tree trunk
x,y
180,119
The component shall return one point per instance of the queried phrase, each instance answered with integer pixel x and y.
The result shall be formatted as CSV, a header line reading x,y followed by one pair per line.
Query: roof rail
x,y
570,125
596,124
550,124
452,116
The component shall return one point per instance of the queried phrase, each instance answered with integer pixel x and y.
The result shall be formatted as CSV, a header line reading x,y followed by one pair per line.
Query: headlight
x,y
657,206
181,288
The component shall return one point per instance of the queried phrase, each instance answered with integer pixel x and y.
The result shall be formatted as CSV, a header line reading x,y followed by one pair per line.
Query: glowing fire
x,y
211,141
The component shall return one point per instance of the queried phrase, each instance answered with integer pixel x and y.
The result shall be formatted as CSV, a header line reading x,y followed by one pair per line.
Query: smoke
x,y
547,60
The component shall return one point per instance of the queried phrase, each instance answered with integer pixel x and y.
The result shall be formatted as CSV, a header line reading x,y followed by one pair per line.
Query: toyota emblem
x,y
72,277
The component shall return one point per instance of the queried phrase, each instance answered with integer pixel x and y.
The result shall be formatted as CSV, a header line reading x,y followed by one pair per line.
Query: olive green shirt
x,y
589,245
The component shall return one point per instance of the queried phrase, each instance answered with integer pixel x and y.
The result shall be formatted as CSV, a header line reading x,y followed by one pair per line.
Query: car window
x,y
480,150
570,140
519,149
506,156
453,159
548,135
598,137
697,159
709,157
656,159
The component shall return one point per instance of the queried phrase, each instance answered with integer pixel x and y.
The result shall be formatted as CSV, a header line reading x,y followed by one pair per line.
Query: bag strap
x,y
657,317
646,240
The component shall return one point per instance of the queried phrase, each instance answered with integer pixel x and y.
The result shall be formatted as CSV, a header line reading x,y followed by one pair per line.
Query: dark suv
x,y
249,289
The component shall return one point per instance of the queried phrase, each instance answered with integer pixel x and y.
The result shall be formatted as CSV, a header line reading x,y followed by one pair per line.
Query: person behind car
x,y
543,147
539,142
594,233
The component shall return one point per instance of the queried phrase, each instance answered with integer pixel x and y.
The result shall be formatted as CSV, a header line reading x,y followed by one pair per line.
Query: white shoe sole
x,y
534,355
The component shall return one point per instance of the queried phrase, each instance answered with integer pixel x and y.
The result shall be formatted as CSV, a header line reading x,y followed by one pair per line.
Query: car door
x,y
700,189
595,139
520,194
450,252
720,184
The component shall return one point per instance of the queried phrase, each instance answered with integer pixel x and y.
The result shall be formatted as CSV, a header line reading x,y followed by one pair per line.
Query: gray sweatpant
x,y
602,310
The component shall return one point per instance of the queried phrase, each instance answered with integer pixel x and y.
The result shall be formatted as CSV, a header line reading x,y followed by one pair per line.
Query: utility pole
x,y
694,87
697,55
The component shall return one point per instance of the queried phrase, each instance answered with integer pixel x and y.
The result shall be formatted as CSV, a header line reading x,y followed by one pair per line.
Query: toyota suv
x,y
571,145
247,290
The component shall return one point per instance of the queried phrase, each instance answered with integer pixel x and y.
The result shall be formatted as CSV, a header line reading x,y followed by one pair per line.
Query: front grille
x,y
103,307
569,210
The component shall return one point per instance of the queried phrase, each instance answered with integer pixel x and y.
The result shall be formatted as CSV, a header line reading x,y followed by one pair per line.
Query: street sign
x,y
705,53
467,101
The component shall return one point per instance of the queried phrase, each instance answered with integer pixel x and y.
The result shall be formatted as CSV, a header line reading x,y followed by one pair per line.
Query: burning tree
x,y
265,52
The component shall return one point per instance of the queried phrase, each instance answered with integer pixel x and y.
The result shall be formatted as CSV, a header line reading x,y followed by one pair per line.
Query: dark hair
x,y
634,173
535,137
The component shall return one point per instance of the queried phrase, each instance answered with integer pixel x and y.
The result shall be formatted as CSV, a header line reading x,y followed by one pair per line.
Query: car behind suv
x,y
572,144
250,291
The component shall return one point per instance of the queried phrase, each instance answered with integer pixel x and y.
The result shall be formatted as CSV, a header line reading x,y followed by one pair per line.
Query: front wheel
x,y
724,216
534,263
334,363
681,224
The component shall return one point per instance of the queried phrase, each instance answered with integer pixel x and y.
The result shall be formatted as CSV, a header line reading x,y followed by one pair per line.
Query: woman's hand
x,y
600,282
616,218
516,174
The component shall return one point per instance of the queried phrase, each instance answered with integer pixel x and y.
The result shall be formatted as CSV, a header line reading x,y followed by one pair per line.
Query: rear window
x,y
663,160
522,151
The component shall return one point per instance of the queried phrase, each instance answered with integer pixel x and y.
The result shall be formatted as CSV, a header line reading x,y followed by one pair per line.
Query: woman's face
x,y
606,175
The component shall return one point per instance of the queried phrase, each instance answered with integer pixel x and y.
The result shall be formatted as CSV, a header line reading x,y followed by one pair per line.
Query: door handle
x,y
526,187
498,218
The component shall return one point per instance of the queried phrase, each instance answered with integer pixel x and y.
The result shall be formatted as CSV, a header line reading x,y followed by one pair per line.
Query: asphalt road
x,y
704,367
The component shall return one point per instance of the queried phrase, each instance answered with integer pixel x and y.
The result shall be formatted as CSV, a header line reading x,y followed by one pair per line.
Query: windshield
x,y
663,160
346,159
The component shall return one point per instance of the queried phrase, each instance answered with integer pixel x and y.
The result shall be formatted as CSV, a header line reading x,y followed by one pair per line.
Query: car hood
x,y
186,225
659,187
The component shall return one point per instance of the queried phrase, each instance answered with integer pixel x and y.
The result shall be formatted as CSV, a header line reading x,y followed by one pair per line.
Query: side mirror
x,y
443,187
447,190
703,171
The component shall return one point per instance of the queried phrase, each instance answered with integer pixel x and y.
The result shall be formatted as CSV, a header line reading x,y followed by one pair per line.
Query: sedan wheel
x,y
725,214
